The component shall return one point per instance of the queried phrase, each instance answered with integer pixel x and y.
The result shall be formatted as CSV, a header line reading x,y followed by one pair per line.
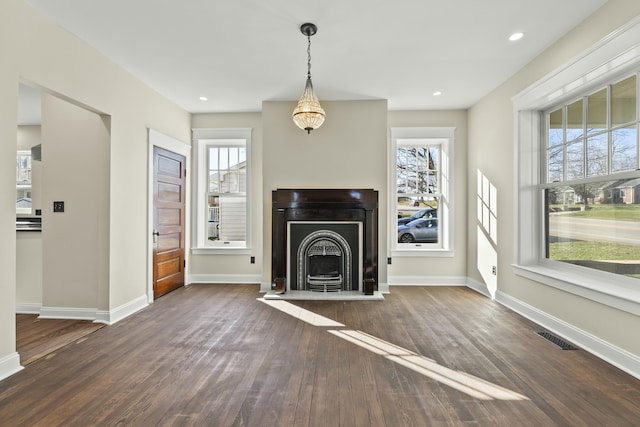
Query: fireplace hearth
x,y
324,240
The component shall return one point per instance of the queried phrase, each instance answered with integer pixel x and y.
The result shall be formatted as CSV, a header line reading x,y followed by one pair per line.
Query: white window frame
x,y
611,58
444,137
203,138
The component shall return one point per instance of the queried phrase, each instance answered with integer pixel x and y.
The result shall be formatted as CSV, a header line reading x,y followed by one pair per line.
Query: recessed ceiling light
x,y
204,98
437,93
516,36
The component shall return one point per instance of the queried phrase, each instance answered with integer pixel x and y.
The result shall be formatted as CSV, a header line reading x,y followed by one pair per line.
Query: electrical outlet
x,y
389,260
494,270
253,260
58,206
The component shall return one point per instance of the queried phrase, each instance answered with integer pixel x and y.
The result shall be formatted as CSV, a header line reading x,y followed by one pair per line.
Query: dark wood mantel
x,y
360,205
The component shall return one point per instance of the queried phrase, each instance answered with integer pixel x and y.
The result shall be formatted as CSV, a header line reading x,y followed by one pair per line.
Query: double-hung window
x,y
577,180
591,183
421,179
223,177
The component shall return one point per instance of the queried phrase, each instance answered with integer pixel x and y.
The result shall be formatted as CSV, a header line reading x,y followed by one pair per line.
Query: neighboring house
x,y
628,193
619,192
226,214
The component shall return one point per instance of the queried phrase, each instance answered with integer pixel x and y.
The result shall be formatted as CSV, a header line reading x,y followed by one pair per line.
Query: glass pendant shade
x,y
308,115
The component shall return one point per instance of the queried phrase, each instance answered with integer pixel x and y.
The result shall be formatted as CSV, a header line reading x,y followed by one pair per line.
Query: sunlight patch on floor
x,y
473,386
466,383
302,314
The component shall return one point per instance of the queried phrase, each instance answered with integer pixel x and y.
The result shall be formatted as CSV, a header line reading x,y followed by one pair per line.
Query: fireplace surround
x,y
334,206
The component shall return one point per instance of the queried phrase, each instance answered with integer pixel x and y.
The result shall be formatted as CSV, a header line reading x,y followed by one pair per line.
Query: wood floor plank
x,y
36,338
216,355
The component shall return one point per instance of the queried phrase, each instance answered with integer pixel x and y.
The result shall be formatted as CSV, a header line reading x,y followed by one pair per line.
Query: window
x,y
421,205
592,187
577,150
222,201
23,182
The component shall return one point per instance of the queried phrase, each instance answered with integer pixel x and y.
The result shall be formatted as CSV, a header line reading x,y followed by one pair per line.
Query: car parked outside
x,y
422,213
421,230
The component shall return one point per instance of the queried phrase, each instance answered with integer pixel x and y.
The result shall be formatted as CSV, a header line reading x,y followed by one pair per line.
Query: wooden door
x,y
168,221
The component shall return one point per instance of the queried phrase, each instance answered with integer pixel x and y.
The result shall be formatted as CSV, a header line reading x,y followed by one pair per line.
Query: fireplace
x,y
324,240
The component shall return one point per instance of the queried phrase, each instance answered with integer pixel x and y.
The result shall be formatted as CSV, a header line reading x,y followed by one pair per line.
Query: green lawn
x,y
619,212
593,251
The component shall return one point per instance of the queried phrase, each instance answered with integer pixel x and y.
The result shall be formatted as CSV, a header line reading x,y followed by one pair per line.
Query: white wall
x,y
75,170
491,151
345,151
29,271
429,269
228,267
29,244
348,151
38,51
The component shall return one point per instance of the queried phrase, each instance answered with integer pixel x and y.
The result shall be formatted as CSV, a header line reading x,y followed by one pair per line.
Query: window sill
x,y
620,293
221,251
423,252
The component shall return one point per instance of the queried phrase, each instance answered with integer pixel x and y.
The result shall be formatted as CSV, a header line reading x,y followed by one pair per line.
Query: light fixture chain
x,y
308,56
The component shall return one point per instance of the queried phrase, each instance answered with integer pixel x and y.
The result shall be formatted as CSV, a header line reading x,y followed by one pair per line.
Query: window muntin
x,y
418,191
227,190
222,190
592,188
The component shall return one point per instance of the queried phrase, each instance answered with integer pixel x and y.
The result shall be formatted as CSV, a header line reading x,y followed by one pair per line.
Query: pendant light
x,y
308,114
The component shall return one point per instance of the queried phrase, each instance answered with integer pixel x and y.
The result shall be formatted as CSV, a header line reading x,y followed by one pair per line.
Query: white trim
x,y
432,253
68,313
445,138
221,251
593,285
427,280
226,278
479,287
157,139
28,308
608,352
610,58
9,365
125,310
616,53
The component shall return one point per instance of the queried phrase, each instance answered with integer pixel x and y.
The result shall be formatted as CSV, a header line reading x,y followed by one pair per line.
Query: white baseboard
x,y
68,313
383,288
608,352
427,281
9,365
479,287
225,278
28,308
98,316
125,310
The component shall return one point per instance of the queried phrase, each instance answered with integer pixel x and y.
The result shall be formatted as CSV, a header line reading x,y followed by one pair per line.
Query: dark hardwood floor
x,y
215,355
37,338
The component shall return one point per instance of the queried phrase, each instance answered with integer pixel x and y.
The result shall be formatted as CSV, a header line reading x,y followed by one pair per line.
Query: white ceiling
x,y
239,53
